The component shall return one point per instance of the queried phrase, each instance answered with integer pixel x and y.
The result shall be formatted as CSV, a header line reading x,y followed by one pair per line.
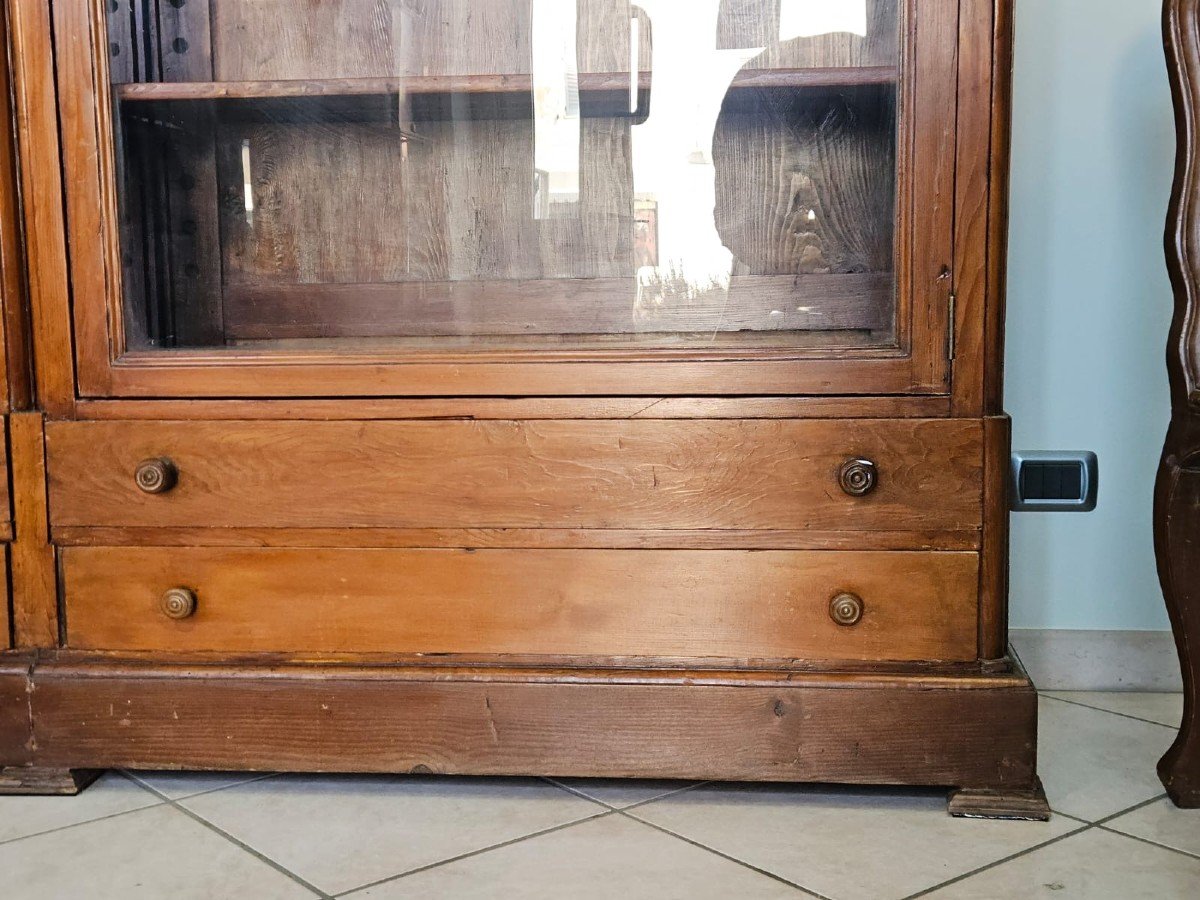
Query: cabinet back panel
x,y
546,187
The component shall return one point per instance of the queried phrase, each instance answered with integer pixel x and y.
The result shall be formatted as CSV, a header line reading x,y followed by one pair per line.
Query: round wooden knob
x,y
859,477
846,609
156,476
178,603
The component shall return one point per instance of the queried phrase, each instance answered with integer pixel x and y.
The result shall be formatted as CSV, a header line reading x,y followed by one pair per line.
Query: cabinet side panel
x,y
973,204
14,326
37,132
35,588
5,601
993,573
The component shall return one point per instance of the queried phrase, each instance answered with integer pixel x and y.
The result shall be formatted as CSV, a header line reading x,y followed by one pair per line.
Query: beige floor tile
x,y
1095,865
342,832
597,860
844,843
178,785
111,794
1165,709
1093,763
154,854
1165,824
622,793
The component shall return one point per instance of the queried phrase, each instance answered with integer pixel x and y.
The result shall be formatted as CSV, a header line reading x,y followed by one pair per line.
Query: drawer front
x,y
689,474
656,603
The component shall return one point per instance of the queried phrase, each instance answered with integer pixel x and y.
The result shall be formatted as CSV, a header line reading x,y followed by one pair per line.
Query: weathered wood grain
x,y
806,180
554,306
860,729
653,603
595,474
34,579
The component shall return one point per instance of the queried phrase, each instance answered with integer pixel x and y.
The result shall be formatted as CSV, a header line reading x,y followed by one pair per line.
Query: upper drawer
x,y
693,474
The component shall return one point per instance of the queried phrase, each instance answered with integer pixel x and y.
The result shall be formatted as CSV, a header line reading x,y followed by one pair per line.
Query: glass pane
x,y
487,174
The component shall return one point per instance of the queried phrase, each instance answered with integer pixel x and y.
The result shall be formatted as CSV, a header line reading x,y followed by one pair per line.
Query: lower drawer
x,y
595,603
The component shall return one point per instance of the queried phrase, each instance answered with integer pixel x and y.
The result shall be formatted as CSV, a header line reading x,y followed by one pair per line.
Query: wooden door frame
x,y
92,271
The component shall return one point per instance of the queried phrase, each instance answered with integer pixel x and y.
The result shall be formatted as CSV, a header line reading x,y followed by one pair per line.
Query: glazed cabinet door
x,y
509,197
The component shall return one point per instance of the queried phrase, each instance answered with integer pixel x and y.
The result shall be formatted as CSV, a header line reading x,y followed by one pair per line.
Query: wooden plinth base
x,y
953,730
18,780
990,804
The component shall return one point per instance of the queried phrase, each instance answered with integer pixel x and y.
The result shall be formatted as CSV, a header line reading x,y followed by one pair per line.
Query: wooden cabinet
x,y
626,371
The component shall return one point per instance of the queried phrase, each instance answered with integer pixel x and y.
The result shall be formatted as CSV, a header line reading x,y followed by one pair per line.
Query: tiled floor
x,y
228,836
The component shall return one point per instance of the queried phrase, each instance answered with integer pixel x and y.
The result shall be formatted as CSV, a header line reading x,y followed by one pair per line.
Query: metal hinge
x,y
950,342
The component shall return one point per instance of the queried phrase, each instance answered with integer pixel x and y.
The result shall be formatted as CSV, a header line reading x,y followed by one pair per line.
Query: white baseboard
x,y
1099,660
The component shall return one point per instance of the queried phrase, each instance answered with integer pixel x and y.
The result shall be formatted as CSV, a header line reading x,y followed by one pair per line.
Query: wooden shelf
x,y
563,306
590,82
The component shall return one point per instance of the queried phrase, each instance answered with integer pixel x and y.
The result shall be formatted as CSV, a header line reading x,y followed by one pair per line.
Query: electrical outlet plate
x,y
1058,481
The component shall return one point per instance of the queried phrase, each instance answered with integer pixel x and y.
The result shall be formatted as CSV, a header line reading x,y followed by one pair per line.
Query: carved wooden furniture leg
x,y
1177,542
1177,495
1029,805
40,781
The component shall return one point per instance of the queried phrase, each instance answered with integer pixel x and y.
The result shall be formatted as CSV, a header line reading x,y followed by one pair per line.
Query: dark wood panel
x,y
871,729
15,724
554,306
655,603
806,181
553,474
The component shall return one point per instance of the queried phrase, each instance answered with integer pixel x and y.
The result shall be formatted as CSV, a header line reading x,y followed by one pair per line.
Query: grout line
x,y
726,856
578,792
1111,712
1152,843
647,802
480,851
1062,837
1104,820
142,783
1088,826
1012,648
195,817
1080,820
124,812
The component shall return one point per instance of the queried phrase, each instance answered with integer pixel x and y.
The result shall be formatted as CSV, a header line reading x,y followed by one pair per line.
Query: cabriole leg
x,y
1177,542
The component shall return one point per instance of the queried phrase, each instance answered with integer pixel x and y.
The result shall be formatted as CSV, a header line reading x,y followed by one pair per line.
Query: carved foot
x,y
1177,541
975,803
61,782
1180,773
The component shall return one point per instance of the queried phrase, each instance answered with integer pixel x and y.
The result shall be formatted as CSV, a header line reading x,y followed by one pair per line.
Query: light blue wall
x,y
1089,301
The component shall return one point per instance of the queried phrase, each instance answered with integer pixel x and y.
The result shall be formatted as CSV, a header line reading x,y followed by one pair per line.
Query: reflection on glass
x,y
507,173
